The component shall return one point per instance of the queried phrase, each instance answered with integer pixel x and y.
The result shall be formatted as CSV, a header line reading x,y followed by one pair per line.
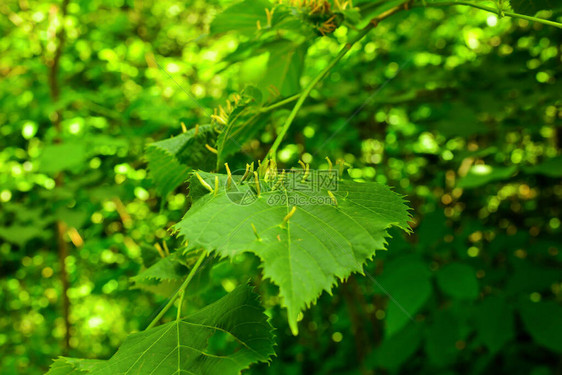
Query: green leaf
x,y
162,278
456,119
244,52
550,168
73,218
441,336
285,66
406,281
166,275
369,9
528,277
542,321
72,366
242,17
170,160
164,288
21,234
396,350
481,174
494,323
319,244
165,170
149,255
183,346
458,280
169,268
242,123
60,157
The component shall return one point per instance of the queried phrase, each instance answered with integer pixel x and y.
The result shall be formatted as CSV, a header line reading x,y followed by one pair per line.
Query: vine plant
x,y
308,228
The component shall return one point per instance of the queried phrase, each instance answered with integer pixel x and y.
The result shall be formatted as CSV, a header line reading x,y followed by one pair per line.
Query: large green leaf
x,y
320,243
170,160
182,346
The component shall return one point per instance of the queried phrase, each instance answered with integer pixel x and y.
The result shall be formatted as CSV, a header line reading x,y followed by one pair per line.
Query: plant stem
x,y
60,226
494,10
180,303
280,103
302,97
180,290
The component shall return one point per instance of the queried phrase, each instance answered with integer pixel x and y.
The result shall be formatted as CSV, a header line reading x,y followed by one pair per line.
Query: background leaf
x,y
406,282
480,175
241,17
443,334
284,66
458,281
542,321
60,157
396,350
494,323
551,167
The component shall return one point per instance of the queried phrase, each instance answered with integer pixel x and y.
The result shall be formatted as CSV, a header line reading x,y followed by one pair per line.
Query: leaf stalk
x,y
181,290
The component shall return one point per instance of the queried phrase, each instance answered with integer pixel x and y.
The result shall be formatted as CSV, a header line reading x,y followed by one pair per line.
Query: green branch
x,y
279,103
493,10
302,97
181,291
372,24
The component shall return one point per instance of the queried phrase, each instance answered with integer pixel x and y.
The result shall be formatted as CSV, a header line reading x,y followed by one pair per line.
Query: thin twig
x,y
493,10
60,226
280,103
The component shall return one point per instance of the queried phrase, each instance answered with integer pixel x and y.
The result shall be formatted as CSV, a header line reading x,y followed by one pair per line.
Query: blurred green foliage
x,y
456,108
